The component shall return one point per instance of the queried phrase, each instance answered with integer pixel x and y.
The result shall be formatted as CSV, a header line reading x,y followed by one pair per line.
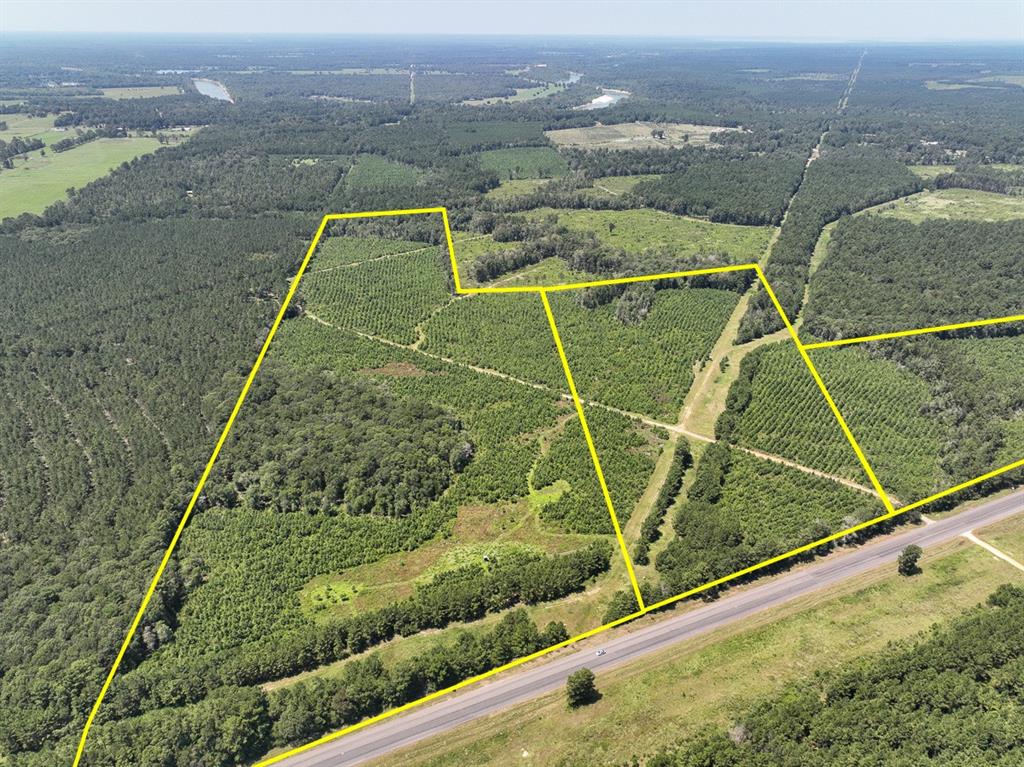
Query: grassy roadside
x,y
680,691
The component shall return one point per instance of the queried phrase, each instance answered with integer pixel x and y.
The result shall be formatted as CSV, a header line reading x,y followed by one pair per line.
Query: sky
x,y
788,20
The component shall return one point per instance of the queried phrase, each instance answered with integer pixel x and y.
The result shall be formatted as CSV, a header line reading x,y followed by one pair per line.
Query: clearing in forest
x,y
637,135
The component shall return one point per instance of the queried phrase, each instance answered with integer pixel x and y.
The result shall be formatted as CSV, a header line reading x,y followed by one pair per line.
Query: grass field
x,y
635,135
638,230
41,181
928,172
616,185
709,681
144,92
524,162
521,94
954,204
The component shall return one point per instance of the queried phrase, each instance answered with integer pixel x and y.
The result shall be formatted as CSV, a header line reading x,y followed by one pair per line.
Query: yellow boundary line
x,y
590,446
915,332
542,291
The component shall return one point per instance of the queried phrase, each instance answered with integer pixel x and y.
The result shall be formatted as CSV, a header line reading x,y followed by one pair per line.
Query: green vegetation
x,y
640,230
371,172
37,182
621,184
343,251
955,205
521,94
407,474
930,172
841,181
387,298
928,413
524,162
580,689
635,352
650,530
752,191
741,510
776,406
710,681
516,186
908,559
638,352
326,446
884,274
936,696
627,451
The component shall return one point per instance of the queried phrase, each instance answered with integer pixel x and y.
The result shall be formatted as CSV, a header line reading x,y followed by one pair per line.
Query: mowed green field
x,y
25,126
640,230
955,205
41,181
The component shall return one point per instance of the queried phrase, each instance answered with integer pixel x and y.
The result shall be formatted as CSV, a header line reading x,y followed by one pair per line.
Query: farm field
x,y
636,135
893,397
41,181
980,432
775,406
643,229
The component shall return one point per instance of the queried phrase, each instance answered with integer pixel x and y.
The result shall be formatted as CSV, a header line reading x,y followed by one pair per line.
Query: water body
x,y
574,77
212,88
608,97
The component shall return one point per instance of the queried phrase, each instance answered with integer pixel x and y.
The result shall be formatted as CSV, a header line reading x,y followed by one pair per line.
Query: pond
x,y
608,97
212,88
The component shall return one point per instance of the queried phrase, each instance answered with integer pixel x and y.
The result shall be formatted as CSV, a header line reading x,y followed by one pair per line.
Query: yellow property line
x,y
644,609
824,390
590,446
213,457
915,332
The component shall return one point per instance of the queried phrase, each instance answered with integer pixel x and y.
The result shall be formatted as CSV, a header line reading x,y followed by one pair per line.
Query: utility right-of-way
x,y
623,645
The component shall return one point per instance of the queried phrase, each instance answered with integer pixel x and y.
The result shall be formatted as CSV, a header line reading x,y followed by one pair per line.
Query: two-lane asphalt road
x,y
533,679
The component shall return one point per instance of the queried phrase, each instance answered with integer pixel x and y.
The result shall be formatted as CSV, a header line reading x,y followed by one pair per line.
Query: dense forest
x,y
406,462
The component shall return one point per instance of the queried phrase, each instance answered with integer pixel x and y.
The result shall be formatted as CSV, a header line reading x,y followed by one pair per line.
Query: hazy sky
x,y
910,20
